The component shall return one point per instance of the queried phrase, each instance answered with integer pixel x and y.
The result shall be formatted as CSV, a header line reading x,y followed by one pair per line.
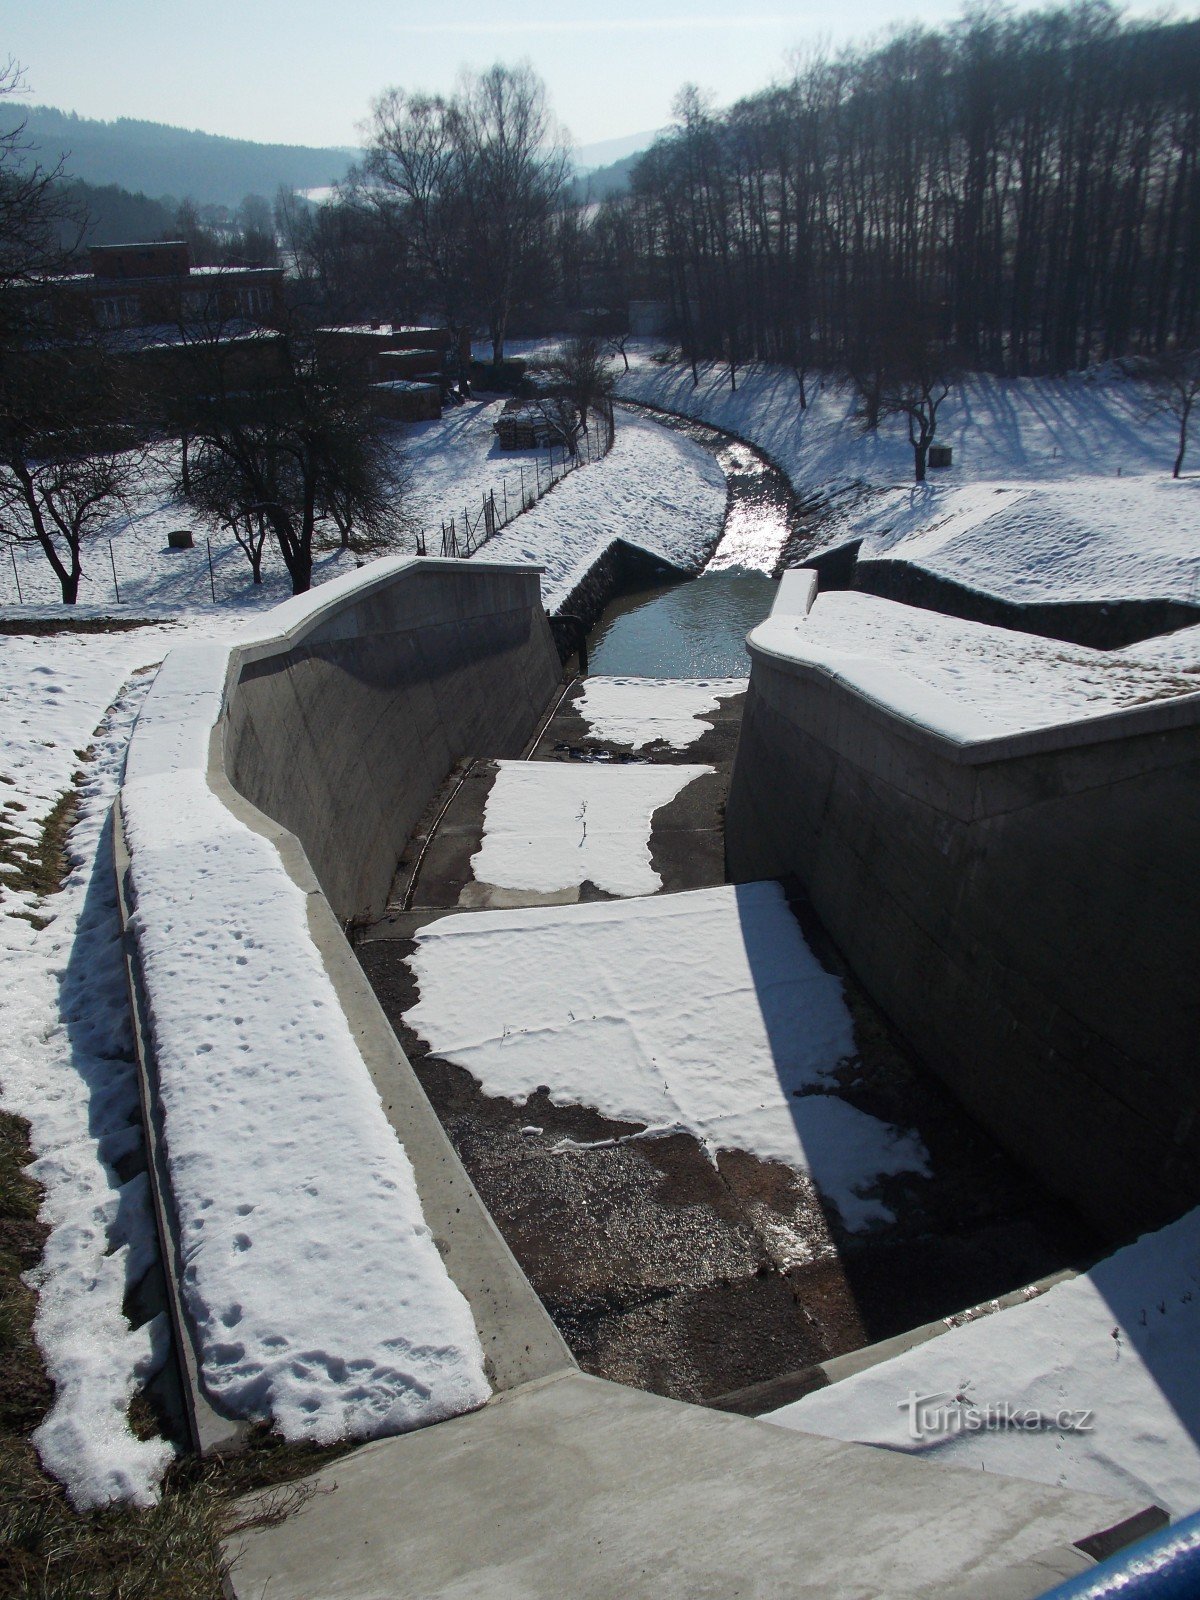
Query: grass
x,y
48,1550
39,866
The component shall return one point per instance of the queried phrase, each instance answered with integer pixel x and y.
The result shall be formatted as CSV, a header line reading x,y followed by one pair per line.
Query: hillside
x,y
155,159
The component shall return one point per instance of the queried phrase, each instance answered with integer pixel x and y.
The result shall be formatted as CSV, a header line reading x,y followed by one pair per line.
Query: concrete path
x,y
578,1489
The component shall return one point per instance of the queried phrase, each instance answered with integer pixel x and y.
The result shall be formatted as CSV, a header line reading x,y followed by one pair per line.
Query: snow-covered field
x,y
704,1012
1033,507
551,825
962,679
640,712
1118,1345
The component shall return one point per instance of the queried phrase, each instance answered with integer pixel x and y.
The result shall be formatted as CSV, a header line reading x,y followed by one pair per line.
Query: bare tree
x,y
515,169
917,381
581,372
289,450
618,345
470,185
1175,389
67,464
35,217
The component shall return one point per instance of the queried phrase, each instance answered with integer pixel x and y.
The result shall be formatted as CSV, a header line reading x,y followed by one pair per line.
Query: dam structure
x,y
534,1078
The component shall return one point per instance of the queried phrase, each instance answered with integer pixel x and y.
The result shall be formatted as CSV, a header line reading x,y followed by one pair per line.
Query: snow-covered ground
x,y
66,1050
640,712
551,825
1136,538
1033,507
1116,1347
704,1012
962,679
656,489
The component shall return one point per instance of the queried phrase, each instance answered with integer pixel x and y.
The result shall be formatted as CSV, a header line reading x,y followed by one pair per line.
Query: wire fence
x,y
462,536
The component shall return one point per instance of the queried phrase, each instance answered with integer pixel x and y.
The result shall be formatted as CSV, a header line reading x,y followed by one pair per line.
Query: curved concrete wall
x,y
1022,908
327,733
344,732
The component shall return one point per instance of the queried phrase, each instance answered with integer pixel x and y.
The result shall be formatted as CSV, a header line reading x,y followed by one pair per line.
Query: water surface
x,y
690,628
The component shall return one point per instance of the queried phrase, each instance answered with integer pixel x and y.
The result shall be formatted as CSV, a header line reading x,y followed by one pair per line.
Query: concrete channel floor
x,y
673,1275
661,1270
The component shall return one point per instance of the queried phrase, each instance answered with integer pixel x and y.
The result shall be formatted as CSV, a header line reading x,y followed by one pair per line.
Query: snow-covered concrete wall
x,y
1009,864
345,734
332,1270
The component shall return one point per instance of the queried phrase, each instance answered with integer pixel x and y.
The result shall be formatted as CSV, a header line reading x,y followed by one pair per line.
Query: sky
x,y
305,71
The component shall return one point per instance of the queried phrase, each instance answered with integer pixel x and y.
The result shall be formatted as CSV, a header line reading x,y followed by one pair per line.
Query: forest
x,y
1023,190
1019,191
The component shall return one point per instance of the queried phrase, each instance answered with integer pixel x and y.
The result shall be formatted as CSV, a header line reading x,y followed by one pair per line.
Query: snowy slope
x,y
655,489
1119,1344
963,679
703,1011
66,1061
1033,508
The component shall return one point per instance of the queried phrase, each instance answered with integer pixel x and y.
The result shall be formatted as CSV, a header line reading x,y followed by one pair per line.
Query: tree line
x,y
1022,189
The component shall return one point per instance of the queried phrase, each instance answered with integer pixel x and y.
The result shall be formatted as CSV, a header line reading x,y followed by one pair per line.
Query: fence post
x,y
212,582
16,576
504,490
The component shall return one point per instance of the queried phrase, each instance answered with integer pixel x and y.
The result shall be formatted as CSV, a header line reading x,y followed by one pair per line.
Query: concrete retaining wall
x,y
1022,908
1100,624
344,733
327,733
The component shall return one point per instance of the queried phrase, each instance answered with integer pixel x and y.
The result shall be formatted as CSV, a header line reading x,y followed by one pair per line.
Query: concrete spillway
x,y
329,736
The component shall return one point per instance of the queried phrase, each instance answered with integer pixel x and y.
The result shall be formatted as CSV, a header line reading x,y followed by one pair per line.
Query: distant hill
x,y
610,152
603,181
152,158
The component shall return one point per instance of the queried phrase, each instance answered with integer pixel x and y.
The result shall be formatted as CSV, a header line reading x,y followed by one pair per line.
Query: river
x,y
696,627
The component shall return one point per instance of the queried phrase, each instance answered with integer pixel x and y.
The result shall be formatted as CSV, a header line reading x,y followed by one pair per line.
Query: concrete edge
x,y
757,1399
520,1340
1151,717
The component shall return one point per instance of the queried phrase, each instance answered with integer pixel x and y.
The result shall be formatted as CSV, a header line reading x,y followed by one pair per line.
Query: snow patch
x,y
551,825
1119,1343
705,1011
643,711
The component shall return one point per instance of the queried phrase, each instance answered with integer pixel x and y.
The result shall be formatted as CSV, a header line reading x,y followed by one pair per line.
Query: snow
x,y
703,1011
1119,1342
551,825
1033,507
66,1054
640,712
656,489
1137,538
319,1297
66,1065
963,679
